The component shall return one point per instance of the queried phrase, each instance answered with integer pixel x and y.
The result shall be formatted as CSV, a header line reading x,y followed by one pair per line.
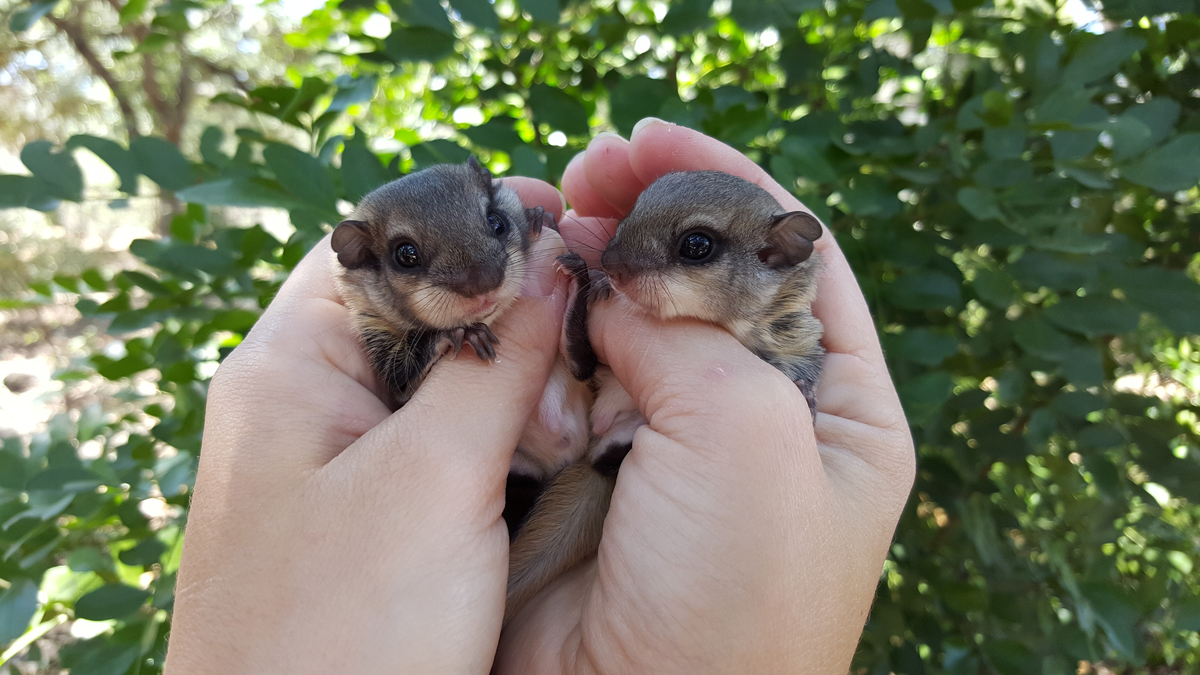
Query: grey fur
x,y
748,286
409,317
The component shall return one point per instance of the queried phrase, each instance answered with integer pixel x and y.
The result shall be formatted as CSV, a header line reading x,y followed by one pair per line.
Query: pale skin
x,y
329,536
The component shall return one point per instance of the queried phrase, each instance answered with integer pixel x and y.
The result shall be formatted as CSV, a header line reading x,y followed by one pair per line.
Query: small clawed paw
x,y
574,265
600,286
482,339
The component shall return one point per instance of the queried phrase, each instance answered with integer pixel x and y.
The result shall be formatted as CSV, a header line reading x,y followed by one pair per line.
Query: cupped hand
x,y
328,534
741,538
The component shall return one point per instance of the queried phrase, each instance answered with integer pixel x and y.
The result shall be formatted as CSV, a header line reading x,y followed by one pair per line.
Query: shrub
x,y
1018,196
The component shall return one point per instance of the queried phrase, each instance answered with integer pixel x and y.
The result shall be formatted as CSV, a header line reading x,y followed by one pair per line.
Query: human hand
x,y
738,539
328,534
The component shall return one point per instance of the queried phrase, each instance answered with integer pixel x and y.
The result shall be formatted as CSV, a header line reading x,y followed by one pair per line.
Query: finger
x,y
606,165
534,192
458,432
693,381
587,236
579,193
658,148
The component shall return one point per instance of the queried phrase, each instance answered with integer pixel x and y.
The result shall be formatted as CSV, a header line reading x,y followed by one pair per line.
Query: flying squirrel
x,y
697,244
426,263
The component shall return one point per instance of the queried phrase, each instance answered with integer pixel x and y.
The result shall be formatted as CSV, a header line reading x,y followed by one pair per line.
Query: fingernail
x,y
608,134
645,122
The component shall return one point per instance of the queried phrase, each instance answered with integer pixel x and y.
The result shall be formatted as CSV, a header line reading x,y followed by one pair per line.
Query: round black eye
x,y
498,223
407,255
695,246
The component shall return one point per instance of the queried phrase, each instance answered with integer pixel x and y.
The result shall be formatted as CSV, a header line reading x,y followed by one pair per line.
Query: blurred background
x,y
1014,181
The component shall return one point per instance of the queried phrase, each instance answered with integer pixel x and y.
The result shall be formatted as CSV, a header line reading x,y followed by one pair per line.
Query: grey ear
x,y
483,175
352,243
790,241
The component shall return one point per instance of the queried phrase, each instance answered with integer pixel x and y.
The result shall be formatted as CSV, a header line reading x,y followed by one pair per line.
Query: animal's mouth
x,y
481,306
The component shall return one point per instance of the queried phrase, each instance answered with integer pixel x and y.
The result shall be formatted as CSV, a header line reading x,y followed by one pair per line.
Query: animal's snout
x,y
475,280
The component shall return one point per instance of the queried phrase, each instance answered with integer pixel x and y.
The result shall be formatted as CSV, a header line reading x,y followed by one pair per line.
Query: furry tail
x,y
562,530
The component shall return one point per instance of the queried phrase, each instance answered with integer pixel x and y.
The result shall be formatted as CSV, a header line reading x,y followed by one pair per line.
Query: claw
x,y
481,338
574,265
456,340
600,286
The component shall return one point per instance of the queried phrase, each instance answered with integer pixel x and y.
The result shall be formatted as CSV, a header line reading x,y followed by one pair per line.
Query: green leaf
x,y
808,160
478,13
558,109
18,604
147,552
925,290
352,91
1169,294
979,203
1094,315
56,169
546,11
417,44
1077,404
1002,173
1102,56
438,151
1187,613
1040,339
238,192
23,19
1173,167
690,16
120,160
527,162
427,13
922,345
89,559
113,601
1130,137
160,161
497,133
1004,142
210,146
303,175
1010,657
132,10
633,98
1068,145
105,659
924,396
27,192
1159,115
1116,614
362,171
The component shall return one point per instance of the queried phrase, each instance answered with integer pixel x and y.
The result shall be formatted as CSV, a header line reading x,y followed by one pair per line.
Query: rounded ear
x,y
482,175
352,243
790,241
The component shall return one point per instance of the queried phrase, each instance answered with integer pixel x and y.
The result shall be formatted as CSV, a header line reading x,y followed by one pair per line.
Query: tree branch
x,y
154,92
79,41
221,70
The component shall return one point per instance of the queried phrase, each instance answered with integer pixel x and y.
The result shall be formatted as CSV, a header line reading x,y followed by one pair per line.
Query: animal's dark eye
x,y
407,255
696,247
499,224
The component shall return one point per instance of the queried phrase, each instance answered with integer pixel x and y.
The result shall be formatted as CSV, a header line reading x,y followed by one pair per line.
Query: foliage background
x,y
1015,183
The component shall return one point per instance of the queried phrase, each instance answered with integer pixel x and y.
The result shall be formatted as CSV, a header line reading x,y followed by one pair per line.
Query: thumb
x,y
460,428
693,381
